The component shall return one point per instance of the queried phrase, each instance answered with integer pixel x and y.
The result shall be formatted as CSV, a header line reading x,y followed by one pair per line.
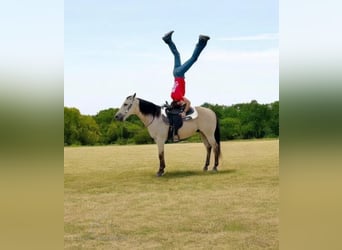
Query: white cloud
x,y
258,56
258,37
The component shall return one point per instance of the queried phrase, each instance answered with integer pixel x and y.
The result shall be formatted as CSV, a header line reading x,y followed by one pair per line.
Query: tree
x,y
142,137
89,131
112,134
79,129
274,118
72,125
243,120
230,128
105,117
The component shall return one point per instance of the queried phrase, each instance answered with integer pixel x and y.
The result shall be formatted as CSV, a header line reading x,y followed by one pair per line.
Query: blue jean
x,y
179,68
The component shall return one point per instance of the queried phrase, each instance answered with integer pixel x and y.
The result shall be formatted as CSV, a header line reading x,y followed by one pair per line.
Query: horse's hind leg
x,y
217,155
208,148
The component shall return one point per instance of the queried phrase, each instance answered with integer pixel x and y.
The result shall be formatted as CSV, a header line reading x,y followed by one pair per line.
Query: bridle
x,y
150,122
129,107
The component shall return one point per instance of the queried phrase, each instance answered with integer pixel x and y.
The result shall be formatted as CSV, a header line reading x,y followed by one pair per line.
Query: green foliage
x,y
105,116
274,118
89,131
230,128
79,129
72,126
195,138
143,137
111,133
108,129
239,121
247,120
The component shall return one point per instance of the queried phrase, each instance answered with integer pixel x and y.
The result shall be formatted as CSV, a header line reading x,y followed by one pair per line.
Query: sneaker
x,y
167,36
204,38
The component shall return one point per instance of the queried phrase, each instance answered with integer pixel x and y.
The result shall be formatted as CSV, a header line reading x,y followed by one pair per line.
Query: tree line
x,y
239,121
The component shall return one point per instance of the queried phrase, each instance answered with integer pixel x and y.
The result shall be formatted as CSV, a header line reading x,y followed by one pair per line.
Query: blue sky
x,y
114,48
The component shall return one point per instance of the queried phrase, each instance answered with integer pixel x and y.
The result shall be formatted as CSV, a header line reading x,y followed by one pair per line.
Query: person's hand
x,y
183,114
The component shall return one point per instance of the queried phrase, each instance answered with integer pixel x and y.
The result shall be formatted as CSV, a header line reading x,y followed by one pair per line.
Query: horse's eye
x,y
125,104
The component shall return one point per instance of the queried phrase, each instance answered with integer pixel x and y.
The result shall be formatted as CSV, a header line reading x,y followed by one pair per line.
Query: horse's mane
x,y
148,108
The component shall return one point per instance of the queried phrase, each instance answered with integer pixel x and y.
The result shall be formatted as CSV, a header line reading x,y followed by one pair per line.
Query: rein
x,y
150,122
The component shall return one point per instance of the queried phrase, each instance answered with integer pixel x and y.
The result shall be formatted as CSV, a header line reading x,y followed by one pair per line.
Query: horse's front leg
x,y
160,144
208,148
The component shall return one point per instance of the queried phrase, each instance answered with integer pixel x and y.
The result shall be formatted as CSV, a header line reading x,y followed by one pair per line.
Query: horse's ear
x,y
134,95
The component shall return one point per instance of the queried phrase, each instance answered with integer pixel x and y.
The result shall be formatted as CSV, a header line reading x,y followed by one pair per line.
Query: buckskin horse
x,y
206,124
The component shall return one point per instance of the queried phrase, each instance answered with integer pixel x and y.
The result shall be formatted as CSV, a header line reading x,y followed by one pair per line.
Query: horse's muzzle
x,y
119,117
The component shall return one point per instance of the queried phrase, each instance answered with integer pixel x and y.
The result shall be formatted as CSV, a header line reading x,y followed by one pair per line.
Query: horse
x,y
150,114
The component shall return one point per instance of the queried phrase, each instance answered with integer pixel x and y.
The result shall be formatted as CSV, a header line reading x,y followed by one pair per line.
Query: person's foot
x,y
203,38
167,36
175,138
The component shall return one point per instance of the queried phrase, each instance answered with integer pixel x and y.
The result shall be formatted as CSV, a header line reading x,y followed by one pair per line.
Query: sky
x,y
113,49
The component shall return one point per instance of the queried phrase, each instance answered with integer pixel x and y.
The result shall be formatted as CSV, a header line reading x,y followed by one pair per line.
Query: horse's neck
x,y
146,119
148,113
137,112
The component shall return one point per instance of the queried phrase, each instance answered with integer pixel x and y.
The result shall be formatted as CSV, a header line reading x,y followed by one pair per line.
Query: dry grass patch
x,y
114,201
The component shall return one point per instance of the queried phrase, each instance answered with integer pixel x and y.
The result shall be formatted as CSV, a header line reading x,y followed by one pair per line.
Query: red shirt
x,y
178,90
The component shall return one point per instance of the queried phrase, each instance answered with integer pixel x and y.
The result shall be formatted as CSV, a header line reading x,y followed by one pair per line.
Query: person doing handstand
x,y
179,69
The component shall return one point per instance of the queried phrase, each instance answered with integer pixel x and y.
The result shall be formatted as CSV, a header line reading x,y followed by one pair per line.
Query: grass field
x,y
112,199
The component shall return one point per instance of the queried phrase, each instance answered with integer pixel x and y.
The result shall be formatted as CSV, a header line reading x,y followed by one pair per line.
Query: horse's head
x,y
126,108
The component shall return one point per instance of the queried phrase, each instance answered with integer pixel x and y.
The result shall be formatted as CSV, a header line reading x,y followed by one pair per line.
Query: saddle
x,y
171,115
174,109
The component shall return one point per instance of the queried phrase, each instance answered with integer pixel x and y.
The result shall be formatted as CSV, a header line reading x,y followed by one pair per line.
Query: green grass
x,y
114,201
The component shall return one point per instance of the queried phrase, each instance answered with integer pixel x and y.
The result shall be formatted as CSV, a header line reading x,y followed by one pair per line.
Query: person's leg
x,y
202,42
168,40
177,59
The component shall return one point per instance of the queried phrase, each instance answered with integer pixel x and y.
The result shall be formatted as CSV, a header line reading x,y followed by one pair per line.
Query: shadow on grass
x,y
188,173
111,181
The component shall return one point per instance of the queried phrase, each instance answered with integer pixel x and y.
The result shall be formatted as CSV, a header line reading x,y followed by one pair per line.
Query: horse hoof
x,y
205,169
160,174
215,169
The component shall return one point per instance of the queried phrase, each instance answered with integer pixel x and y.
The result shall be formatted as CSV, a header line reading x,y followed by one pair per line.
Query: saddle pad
x,y
191,114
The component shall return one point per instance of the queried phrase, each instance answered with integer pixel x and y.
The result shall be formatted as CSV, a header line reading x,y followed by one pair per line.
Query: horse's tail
x,y
218,136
